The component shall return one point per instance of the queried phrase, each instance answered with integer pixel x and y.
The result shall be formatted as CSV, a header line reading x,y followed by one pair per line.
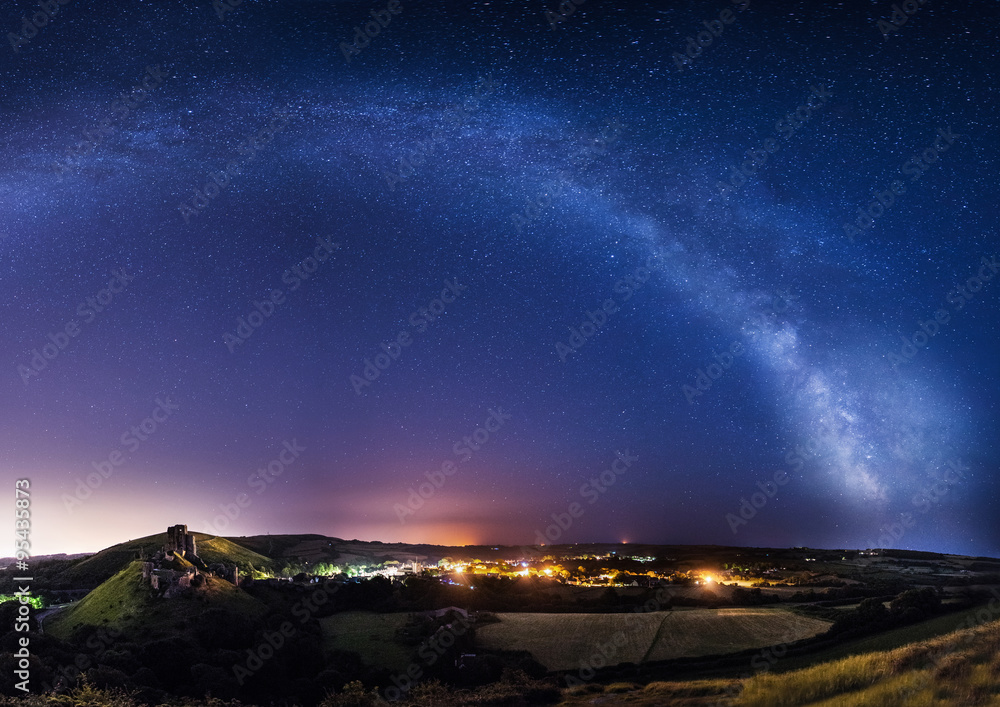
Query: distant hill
x,y
271,552
126,603
59,557
218,549
105,564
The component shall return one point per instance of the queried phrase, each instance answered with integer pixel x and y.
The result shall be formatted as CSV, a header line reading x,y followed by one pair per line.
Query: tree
x,y
915,604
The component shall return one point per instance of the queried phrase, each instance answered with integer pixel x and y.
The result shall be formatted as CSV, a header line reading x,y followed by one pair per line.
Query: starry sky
x,y
648,272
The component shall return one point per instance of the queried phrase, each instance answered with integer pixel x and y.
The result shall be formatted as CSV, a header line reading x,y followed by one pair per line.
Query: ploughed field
x,y
562,641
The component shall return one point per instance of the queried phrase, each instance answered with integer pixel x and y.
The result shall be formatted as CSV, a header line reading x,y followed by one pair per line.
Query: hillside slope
x,y
218,549
127,604
958,669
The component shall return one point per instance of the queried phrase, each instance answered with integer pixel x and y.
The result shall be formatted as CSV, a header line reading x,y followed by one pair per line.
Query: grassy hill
x,y
279,545
218,549
103,565
960,668
125,603
954,670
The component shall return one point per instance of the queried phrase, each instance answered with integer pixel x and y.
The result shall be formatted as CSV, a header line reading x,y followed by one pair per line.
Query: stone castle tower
x,y
179,541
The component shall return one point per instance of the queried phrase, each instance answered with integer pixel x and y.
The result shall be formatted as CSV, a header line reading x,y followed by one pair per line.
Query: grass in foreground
x,y
884,641
959,669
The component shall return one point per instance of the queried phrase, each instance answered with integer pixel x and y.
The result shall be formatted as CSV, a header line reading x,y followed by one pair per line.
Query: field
x,y
953,670
562,641
369,635
884,641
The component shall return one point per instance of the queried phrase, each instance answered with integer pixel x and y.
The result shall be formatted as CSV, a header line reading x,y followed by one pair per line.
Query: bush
x,y
353,695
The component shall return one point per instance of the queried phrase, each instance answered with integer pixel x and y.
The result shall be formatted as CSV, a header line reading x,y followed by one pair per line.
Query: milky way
x,y
762,265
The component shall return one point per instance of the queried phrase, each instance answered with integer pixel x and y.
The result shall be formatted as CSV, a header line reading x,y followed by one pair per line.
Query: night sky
x,y
716,273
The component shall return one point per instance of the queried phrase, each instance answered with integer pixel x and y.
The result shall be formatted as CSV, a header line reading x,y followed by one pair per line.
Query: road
x,y
44,613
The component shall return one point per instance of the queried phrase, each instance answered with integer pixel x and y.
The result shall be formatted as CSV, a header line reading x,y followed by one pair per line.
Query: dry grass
x,y
961,668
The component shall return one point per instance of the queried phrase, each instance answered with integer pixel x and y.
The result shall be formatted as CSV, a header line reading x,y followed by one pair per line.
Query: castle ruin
x,y
180,541
161,576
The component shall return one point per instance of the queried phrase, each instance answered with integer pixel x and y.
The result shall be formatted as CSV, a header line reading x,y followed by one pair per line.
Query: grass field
x,y
958,669
369,635
961,668
562,641
887,640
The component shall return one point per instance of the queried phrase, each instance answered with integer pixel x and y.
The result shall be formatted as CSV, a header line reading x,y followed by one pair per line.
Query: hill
x,y
218,549
960,668
957,669
124,602
105,564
